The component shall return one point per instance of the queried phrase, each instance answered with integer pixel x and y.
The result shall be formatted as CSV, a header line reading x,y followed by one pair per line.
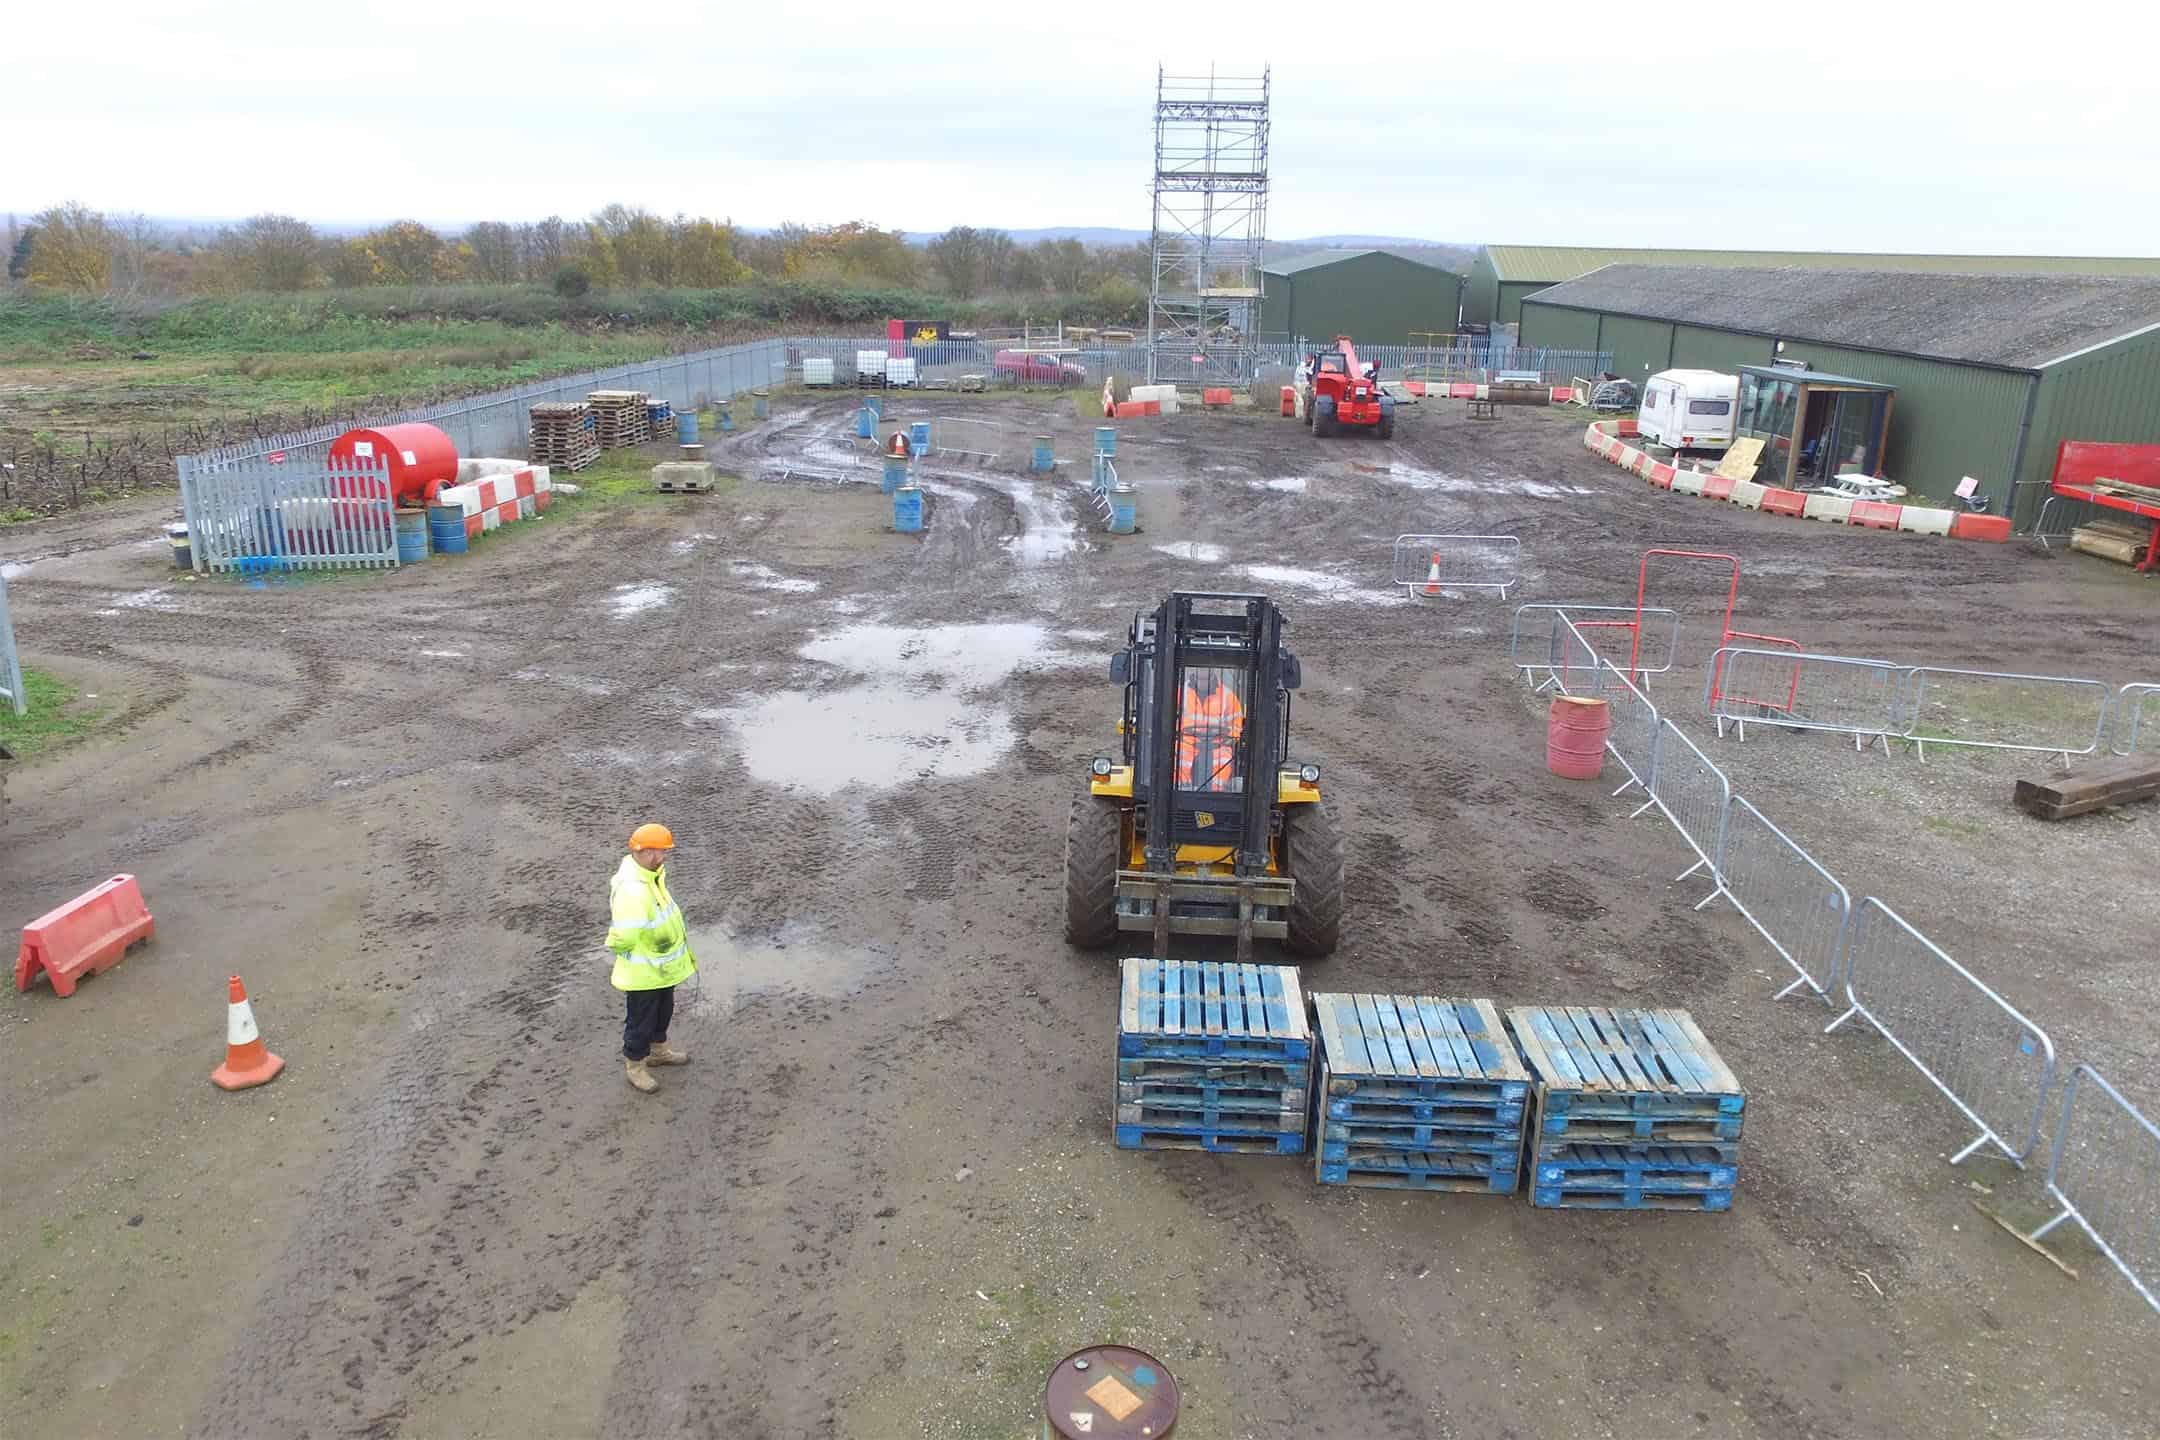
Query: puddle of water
x,y
1328,589
1288,484
796,961
848,606
690,542
1198,550
16,567
444,654
156,599
867,736
764,577
632,599
1086,636
968,656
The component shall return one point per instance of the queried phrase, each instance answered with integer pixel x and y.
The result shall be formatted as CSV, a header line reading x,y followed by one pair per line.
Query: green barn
x,y
1503,274
1992,371
1371,296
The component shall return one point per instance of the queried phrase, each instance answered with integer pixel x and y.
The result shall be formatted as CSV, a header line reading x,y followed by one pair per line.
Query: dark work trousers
x,y
646,1014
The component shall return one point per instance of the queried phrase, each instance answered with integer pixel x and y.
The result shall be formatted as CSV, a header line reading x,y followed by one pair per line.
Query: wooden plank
x,y
1740,461
1421,1049
1294,1003
1708,1063
1398,1043
1256,1019
1376,1046
1533,1032
1129,1001
2062,797
1490,1044
1456,1054
1650,1047
1173,1013
1271,992
1590,1051
1189,995
1344,1047
1615,1044
1211,1005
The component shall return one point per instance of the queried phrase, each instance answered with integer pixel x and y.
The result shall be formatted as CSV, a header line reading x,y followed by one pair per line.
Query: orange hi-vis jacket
x,y
1209,731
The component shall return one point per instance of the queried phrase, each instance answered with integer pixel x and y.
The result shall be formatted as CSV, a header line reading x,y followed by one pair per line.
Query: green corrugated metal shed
x,y
1369,295
1503,274
1993,371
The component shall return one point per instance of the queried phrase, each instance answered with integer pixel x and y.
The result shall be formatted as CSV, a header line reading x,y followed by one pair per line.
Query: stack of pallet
x,y
1634,1110
621,416
1212,1057
562,435
1418,1093
659,419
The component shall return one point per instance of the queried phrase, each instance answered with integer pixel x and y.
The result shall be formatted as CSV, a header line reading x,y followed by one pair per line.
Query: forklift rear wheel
x,y
1094,835
1313,852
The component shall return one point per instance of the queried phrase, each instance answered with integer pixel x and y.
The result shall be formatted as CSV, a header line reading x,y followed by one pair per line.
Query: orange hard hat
x,y
652,837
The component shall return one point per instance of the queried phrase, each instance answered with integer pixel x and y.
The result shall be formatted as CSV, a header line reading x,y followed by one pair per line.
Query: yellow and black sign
x,y
928,332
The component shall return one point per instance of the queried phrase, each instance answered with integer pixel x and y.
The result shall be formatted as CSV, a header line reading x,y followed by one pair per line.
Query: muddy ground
x,y
883,1199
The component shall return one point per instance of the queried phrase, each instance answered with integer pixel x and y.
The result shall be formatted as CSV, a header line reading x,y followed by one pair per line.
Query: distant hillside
x,y
1447,254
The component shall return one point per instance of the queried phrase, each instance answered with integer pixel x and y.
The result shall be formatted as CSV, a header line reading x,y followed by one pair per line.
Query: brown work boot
x,y
639,1076
666,1054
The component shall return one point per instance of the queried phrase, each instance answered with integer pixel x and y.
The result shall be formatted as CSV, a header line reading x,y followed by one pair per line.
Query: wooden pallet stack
x,y
659,419
1212,1056
562,436
1418,1093
621,416
1633,1110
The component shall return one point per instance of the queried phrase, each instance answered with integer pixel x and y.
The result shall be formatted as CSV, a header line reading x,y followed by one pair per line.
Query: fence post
x,y
10,659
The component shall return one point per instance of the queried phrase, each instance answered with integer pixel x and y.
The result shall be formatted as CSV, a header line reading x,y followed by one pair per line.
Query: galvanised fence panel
x,y
256,517
1998,710
1432,565
1696,796
2134,719
11,681
1593,622
1632,737
1787,895
1803,691
2105,1174
1990,1061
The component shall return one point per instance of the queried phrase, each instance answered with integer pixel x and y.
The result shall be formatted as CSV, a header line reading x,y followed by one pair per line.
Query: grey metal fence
x,y
1432,565
1998,710
1593,629
1696,796
313,513
11,681
1974,1046
1787,895
1632,737
2105,1174
2129,726
1805,691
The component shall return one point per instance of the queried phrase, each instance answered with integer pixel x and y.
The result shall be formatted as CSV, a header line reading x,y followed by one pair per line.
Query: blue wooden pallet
x,y
1231,1097
1220,1142
1641,1130
1415,1170
1396,1112
1418,1048
1653,1168
1286,1074
1337,1141
1625,1065
1553,1198
1207,1010
1212,1117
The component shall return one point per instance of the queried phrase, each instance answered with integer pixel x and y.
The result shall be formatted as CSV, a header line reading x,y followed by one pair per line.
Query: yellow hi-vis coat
x,y
646,930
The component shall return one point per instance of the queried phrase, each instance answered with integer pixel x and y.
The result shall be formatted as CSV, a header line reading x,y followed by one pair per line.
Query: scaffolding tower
x,y
1209,236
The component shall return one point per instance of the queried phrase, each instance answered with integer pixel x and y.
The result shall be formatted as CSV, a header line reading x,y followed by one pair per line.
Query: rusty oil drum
x,y
1109,1392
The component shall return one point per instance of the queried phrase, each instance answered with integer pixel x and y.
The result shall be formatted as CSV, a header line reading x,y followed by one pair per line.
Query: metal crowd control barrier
x,y
1787,895
11,681
1697,797
2131,702
1804,691
1632,738
1432,565
1643,669
2105,1173
1989,1060
2012,700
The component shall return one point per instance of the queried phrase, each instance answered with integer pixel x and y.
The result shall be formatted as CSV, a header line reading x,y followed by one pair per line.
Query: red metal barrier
x,y
1776,501
90,933
1725,630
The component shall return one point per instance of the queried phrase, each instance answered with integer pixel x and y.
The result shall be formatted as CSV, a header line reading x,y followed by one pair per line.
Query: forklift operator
x,y
1211,722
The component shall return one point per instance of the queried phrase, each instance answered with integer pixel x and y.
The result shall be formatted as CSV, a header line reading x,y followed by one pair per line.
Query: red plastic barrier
x,y
1289,400
90,933
1461,390
1151,407
1995,528
1415,387
1784,502
1661,476
1215,396
1627,427
1718,487
1131,409
1875,514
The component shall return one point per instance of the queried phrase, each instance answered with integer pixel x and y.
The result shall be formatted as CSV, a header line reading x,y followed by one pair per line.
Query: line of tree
x,y
75,249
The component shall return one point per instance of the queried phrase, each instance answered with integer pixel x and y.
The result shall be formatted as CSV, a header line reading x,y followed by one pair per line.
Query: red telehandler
x,y
1339,392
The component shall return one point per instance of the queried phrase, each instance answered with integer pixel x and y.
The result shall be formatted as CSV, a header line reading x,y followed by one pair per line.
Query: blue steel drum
x,y
1106,439
907,510
686,428
895,473
919,437
1044,460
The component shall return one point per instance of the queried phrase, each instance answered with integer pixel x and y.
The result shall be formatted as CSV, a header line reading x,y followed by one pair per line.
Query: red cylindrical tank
x,y
1575,736
422,458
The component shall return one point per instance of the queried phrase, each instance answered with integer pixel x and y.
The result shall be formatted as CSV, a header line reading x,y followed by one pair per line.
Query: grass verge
x,y
56,716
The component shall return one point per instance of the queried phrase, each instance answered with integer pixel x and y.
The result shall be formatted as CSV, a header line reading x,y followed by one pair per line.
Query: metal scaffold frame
x,y
1209,234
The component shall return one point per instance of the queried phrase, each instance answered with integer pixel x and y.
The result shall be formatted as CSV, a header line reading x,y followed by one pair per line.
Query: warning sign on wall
x,y
928,332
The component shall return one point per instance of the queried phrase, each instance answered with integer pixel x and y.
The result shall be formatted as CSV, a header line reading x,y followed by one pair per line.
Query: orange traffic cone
x,y
1432,576
248,1062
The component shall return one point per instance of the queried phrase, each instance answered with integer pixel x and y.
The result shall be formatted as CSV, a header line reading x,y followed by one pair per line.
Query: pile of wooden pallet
x,y
621,417
659,419
1418,1093
562,436
1634,1110
1212,1056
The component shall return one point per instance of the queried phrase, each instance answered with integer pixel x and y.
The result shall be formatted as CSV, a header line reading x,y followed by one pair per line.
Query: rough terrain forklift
x,y
1206,827
1340,393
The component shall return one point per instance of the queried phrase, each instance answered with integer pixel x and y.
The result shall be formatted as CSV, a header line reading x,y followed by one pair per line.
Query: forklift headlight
x,y
1101,766
1309,774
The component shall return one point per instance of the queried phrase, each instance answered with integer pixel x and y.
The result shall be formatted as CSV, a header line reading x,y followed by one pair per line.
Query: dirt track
x,y
883,1200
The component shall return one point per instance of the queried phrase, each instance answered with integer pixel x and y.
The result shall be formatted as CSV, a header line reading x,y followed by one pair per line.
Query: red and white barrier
x,y
1607,440
492,501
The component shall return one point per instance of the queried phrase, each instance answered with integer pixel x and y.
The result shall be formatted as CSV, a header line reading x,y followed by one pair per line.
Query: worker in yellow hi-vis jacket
x,y
652,954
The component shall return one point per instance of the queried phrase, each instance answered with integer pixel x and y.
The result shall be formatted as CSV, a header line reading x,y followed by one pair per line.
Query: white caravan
x,y
1689,409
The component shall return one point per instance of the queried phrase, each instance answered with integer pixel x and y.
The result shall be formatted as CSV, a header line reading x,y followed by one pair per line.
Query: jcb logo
x,y
926,335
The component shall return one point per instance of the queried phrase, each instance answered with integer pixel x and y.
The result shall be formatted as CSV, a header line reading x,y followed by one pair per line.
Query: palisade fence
x,y
11,681
321,512
1995,1065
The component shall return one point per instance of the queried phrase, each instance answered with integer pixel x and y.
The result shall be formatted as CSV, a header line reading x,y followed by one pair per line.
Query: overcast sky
x,y
1885,126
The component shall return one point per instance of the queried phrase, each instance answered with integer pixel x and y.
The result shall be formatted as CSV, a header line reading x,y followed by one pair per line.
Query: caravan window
x,y
1709,407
